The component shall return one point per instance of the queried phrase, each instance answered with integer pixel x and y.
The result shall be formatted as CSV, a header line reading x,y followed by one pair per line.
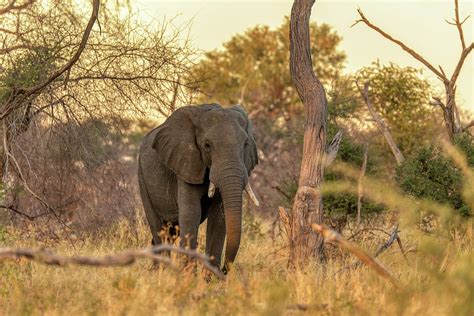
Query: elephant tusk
x,y
212,190
252,196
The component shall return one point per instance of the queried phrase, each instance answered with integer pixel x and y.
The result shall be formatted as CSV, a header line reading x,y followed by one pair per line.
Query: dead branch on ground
x,y
124,258
393,235
334,237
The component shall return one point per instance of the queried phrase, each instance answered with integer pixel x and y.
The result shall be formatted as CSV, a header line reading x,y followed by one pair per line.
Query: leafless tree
x,y
67,80
450,110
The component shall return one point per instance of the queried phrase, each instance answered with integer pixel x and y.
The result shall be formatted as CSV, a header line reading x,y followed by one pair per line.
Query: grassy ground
x,y
439,280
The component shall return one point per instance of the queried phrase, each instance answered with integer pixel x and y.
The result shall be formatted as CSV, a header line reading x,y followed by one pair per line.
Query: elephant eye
x,y
207,145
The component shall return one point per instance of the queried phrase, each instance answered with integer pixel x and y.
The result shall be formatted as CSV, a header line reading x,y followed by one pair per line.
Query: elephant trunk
x,y
232,200
231,184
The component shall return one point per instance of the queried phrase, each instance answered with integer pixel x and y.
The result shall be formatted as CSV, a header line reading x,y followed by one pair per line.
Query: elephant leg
x,y
189,217
153,221
215,234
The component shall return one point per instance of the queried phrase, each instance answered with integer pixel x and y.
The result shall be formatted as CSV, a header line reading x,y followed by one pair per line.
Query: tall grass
x,y
438,278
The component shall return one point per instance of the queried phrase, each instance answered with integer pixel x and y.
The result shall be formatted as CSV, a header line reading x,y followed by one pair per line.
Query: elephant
x,y
195,166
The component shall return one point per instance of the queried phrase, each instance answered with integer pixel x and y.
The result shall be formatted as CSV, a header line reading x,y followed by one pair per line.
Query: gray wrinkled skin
x,y
177,162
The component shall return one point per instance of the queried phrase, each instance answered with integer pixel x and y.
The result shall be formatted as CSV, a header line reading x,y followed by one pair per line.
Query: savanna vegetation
x,y
81,85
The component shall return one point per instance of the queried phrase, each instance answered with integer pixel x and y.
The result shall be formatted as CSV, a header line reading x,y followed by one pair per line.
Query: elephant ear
x,y
250,154
175,143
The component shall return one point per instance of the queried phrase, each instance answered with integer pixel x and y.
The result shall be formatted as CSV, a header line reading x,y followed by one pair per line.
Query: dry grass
x,y
438,280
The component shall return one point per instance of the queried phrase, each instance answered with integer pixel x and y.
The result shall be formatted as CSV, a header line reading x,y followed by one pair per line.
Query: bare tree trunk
x,y
450,112
307,208
381,125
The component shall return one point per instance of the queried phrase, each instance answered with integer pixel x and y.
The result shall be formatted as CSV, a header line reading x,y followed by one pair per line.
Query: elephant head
x,y
196,139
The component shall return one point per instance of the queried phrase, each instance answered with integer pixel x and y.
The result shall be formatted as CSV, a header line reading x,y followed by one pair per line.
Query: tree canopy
x,y
252,67
401,96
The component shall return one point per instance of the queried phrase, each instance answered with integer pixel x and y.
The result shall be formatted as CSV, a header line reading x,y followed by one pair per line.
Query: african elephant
x,y
195,166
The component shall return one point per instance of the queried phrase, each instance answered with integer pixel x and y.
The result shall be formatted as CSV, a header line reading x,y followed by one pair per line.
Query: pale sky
x,y
418,23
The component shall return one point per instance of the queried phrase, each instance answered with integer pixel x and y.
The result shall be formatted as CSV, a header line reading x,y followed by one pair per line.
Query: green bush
x,y
346,204
340,204
430,174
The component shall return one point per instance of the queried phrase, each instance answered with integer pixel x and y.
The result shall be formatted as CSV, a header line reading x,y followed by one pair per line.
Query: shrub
x,y
430,174
343,204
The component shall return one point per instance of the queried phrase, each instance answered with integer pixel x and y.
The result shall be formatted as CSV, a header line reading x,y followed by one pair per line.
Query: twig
x,y
399,241
16,211
334,237
33,217
121,259
367,229
280,190
392,237
389,242
469,125
402,46
25,183
458,24
11,6
24,94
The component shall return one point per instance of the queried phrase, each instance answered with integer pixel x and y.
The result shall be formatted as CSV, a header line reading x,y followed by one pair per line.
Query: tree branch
x,y
11,6
38,87
334,237
16,211
458,24
402,45
121,259
457,70
469,125
381,125
9,155
75,58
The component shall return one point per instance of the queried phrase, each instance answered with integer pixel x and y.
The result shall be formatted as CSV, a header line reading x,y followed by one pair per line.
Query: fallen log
x,y
334,237
124,258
